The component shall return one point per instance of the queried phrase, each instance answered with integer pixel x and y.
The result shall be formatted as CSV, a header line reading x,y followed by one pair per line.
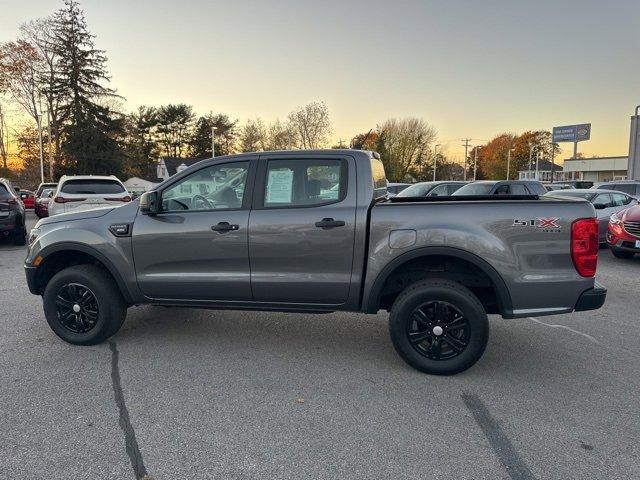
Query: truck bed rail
x,y
462,198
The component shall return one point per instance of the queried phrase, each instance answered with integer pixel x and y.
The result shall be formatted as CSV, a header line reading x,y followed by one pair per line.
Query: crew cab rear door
x,y
301,229
196,247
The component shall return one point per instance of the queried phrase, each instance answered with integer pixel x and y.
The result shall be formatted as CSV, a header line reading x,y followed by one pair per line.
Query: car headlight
x,y
33,235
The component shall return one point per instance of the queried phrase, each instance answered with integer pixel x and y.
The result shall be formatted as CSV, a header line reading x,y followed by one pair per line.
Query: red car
x,y
28,198
623,234
42,202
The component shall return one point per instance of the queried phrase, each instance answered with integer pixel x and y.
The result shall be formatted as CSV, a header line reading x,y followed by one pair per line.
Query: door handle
x,y
223,227
327,223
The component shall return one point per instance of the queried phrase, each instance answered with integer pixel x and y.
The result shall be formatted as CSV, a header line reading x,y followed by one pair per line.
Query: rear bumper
x,y
30,272
591,299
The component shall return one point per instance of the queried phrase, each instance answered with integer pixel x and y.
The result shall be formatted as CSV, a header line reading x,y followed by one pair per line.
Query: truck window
x,y
304,183
379,178
216,187
517,189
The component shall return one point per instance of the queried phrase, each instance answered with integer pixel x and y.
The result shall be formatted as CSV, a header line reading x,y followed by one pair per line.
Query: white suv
x,y
86,192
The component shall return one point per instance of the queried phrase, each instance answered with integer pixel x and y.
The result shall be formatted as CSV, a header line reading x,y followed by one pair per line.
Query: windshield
x,y
474,189
417,190
564,193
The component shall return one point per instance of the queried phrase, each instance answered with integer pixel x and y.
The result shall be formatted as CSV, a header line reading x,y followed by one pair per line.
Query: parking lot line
x,y
555,325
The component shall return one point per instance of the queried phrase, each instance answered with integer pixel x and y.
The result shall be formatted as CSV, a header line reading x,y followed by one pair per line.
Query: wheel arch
x,y
69,253
505,306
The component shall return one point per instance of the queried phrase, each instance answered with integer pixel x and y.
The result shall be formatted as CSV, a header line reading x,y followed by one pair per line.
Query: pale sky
x,y
470,68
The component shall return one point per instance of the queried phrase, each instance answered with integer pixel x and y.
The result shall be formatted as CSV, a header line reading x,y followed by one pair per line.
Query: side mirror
x,y
17,189
150,203
599,206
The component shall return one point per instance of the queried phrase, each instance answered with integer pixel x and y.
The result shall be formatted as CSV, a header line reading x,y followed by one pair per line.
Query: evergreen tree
x,y
225,139
89,136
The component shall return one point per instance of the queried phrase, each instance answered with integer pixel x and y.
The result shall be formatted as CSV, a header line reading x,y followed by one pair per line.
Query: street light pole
x,y
538,153
213,141
435,158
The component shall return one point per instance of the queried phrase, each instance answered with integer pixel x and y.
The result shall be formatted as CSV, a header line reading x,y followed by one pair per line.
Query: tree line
x,y
58,78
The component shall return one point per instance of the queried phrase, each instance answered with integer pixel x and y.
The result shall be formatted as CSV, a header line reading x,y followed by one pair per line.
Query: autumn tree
x,y
365,141
405,144
312,125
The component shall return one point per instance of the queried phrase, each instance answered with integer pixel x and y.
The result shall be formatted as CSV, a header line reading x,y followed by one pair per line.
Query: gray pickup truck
x,y
315,231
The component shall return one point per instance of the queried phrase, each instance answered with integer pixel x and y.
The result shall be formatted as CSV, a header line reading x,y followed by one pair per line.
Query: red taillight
x,y
585,245
121,199
67,200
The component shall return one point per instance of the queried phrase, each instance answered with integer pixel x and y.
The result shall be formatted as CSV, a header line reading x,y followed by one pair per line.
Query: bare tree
x,y
4,140
403,144
253,136
39,33
280,136
312,125
20,69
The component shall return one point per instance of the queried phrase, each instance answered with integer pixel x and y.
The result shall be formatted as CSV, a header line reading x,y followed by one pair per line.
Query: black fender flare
x,y
505,305
81,247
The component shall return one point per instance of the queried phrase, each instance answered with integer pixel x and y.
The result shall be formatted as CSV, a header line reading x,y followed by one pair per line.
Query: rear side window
x,y
4,193
92,187
623,187
379,178
517,189
603,199
305,183
619,199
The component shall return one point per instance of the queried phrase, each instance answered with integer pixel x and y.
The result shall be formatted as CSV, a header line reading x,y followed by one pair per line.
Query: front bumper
x,y
31,273
591,299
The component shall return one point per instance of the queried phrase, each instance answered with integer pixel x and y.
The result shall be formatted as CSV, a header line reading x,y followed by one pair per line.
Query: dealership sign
x,y
572,133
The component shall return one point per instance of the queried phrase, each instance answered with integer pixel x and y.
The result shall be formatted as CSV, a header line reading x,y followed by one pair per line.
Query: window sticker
x,y
280,186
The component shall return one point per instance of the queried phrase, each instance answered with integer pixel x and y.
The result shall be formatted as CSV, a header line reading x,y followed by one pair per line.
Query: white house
x,y
138,186
169,166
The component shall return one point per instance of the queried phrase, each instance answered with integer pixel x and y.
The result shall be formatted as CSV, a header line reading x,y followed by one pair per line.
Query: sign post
x,y
633,170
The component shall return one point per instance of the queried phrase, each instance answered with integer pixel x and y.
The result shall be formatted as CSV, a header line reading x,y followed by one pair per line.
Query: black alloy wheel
x,y
438,330
77,308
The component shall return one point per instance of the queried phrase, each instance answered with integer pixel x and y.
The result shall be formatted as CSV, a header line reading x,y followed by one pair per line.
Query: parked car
x,y
265,238
28,198
623,235
41,207
502,187
431,189
551,187
394,189
576,184
12,213
44,185
86,192
605,202
630,187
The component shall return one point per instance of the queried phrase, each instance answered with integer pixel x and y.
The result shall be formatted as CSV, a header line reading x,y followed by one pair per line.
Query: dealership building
x,y
597,169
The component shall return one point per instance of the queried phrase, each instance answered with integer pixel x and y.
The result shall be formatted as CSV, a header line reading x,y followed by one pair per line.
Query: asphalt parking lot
x,y
183,393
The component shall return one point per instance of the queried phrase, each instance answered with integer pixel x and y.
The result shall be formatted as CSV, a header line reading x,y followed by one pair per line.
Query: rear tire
x,y
621,253
439,327
83,305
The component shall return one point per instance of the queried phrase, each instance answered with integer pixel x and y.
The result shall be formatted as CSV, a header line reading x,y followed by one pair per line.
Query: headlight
x,y
33,235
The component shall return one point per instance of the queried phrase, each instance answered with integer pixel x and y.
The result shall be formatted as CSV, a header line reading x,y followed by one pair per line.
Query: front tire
x,y
83,305
439,327
621,253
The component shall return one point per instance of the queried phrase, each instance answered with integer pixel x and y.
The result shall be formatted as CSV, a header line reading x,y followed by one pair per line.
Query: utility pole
x,y
39,124
508,161
213,141
538,154
466,148
553,164
532,147
475,161
435,158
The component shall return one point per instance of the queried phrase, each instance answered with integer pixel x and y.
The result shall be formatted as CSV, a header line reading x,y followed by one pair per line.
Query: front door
x,y
301,230
196,247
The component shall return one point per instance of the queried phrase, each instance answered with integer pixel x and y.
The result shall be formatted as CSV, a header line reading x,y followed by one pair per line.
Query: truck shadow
x,y
342,341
